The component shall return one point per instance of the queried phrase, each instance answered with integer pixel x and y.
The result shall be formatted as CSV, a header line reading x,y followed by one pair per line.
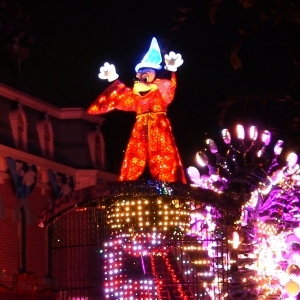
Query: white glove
x,y
173,61
108,71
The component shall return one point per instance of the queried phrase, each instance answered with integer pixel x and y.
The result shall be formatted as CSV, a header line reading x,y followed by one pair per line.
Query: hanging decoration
x,y
62,184
63,187
151,141
23,175
265,259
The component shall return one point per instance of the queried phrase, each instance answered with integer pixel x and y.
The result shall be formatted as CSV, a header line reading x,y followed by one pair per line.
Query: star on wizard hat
x,y
152,59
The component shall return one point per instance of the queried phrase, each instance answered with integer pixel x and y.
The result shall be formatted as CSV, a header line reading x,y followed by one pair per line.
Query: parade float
x,y
232,233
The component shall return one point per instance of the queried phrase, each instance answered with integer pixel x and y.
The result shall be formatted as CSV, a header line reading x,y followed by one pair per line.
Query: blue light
x,y
152,59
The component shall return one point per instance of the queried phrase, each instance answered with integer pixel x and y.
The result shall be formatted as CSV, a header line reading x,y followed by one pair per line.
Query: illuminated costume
x,y
151,140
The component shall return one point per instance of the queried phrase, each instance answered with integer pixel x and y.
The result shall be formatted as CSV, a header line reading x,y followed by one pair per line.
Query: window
x,y
48,140
97,148
2,209
45,133
19,125
22,240
24,217
21,131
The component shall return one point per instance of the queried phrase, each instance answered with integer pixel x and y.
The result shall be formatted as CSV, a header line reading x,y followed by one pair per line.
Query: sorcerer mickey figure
x,y
151,141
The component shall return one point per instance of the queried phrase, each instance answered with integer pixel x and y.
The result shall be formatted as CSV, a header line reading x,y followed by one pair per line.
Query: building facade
x,y
48,158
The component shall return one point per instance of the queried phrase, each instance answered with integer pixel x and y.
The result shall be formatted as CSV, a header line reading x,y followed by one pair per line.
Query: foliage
x,y
250,26
15,24
250,18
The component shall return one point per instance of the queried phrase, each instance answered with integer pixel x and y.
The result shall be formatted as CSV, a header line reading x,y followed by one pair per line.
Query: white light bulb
x,y
202,159
253,133
240,132
292,159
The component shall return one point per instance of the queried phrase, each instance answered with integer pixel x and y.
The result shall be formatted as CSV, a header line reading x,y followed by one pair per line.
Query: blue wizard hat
x,y
152,59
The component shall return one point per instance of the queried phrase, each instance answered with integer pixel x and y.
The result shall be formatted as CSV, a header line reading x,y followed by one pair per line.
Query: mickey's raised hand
x,y
108,71
173,61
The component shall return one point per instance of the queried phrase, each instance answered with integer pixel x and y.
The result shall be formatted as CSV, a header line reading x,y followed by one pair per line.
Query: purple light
x,y
143,265
212,146
226,136
266,137
278,147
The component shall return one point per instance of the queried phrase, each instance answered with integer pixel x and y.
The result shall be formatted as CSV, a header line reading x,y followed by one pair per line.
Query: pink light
x,y
266,137
278,147
226,136
193,174
212,146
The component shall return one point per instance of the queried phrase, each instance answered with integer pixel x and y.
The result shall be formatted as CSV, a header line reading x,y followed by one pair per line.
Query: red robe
x,y
151,140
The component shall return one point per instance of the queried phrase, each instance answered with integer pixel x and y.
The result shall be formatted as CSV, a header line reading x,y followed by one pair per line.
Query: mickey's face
x,y
143,82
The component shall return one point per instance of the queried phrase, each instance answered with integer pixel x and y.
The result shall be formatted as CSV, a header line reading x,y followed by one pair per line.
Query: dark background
x,y
239,65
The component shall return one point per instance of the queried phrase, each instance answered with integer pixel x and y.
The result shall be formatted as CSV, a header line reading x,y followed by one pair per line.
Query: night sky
x,y
73,38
